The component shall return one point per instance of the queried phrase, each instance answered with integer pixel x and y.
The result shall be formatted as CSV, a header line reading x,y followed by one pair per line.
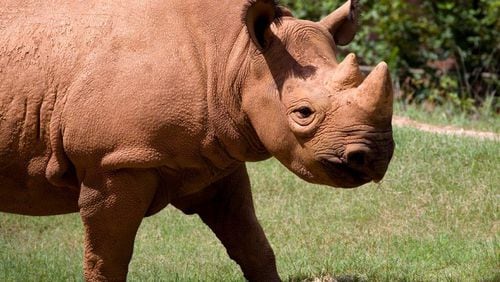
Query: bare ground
x,y
448,130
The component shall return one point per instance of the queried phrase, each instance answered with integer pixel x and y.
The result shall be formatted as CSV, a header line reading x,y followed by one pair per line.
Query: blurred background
x,y
441,53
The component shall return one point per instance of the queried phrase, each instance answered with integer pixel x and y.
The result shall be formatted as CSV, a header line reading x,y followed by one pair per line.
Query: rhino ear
x,y
258,16
343,22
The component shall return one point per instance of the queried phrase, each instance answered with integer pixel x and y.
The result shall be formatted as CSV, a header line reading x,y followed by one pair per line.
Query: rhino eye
x,y
304,119
304,112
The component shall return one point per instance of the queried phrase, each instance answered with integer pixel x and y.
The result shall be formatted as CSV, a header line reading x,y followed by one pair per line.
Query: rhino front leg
x,y
112,206
231,216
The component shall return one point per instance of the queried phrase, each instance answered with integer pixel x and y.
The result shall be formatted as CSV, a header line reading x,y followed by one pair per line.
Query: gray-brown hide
x,y
115,109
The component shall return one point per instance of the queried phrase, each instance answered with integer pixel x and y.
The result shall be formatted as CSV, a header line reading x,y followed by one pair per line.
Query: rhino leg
x,y
112,206
231,216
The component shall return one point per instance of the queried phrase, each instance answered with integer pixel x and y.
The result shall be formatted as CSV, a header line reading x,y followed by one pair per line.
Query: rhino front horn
x,y
375,94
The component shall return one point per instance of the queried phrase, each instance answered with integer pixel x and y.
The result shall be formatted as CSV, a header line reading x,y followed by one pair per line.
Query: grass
x,y
435,217
484,118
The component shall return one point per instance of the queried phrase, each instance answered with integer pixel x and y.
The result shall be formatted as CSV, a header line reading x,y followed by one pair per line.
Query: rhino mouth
x,y
342,174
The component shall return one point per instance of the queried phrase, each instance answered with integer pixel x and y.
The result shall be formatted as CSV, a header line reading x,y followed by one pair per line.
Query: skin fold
x,y
115,109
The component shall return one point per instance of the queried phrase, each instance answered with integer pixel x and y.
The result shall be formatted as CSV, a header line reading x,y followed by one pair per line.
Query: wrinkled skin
x,y
115,110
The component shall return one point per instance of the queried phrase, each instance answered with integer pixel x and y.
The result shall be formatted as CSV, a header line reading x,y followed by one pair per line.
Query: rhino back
x,y
130,81
150,88
41,46
44,47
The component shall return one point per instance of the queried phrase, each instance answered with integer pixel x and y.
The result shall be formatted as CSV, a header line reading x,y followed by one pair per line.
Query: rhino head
x,y
322,119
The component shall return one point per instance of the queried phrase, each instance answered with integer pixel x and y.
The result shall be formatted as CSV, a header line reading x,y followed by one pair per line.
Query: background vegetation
x,y
435,217
440,52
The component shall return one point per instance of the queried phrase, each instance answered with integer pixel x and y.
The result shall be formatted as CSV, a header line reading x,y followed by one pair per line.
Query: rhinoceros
x,y
115,109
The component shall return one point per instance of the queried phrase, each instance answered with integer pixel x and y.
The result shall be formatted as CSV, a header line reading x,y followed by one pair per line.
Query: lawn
x,y
435,217
484,118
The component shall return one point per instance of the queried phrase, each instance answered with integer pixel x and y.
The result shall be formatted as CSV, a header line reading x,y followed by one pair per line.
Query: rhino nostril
x,y
356,158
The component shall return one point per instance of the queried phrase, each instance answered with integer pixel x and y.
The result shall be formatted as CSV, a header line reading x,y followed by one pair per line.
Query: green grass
x,y
483,119
435,217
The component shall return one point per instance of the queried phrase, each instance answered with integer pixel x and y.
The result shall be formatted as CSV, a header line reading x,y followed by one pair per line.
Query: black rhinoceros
x,y
115,109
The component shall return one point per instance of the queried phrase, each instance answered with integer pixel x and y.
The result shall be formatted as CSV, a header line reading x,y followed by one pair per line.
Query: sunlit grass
x,y
433,218
484,119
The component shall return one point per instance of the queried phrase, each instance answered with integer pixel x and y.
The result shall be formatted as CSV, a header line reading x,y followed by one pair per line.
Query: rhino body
x,y
115,109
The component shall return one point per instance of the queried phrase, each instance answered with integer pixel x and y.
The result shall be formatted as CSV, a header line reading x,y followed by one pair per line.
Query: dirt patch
x,y
343,278
448,130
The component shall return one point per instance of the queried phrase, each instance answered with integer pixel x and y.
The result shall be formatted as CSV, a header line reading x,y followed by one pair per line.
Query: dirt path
x,y
448,130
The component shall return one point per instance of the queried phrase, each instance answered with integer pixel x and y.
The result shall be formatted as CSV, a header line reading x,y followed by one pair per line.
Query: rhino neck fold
x,y
231,125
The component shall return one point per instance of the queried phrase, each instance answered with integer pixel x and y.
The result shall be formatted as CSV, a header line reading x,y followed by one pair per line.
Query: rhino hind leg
x,y
112,206
231,216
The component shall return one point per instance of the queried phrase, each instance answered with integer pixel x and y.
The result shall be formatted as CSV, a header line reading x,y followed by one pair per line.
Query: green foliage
x,y
440,52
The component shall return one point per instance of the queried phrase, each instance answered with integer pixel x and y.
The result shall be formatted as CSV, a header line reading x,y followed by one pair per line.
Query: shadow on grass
x,y
328,278
359,278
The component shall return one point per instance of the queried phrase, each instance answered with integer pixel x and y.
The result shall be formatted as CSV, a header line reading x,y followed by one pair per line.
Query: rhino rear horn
x,y
348,74
258,16
343,22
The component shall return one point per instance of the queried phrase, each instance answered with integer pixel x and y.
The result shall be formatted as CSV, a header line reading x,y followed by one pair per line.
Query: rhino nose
x,y
360,158
357,156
